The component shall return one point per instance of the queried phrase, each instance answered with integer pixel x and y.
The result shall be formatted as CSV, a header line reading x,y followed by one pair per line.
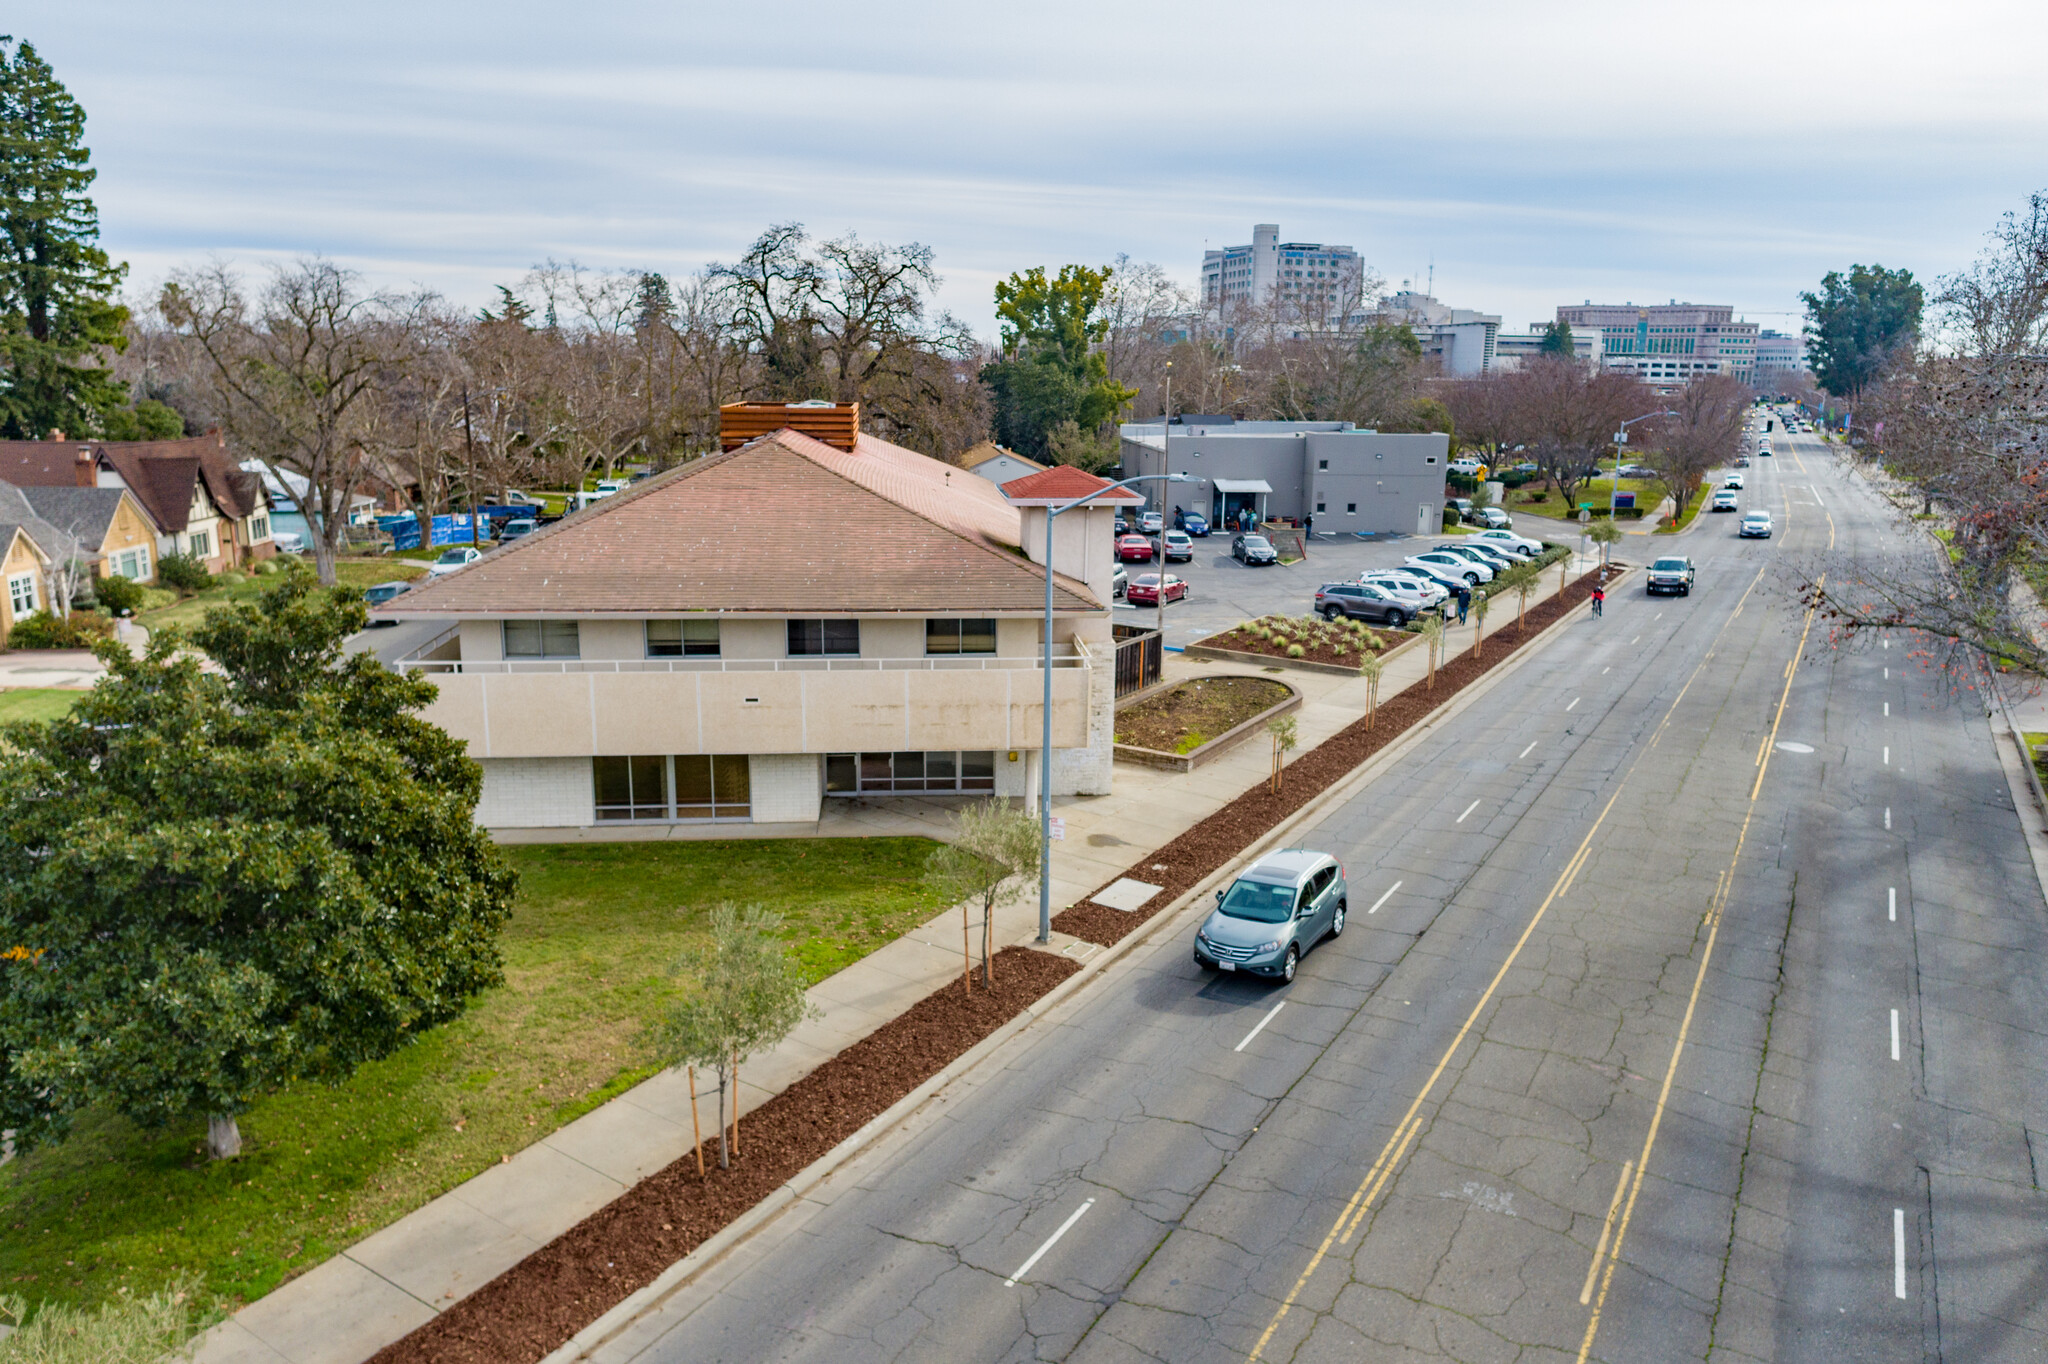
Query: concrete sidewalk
x,y
394,1280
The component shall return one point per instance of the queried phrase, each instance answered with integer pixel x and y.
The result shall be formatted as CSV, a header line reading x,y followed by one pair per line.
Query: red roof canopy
x,y
1062,484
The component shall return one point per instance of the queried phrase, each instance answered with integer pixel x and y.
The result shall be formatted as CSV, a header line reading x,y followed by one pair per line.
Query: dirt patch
x,y
1185,717
1342,642
534,1307
1222,836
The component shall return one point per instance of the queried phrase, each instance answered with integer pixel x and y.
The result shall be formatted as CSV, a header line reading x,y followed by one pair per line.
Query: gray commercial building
x,y
1348,479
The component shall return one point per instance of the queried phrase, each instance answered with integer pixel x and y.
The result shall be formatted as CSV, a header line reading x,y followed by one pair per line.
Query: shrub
x,y
1295,651
45,631
183,572
263,566
118,594
230,578
1191,741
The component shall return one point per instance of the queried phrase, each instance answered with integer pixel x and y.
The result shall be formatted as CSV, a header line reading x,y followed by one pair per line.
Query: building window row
x,y
853,774
700,638
690,787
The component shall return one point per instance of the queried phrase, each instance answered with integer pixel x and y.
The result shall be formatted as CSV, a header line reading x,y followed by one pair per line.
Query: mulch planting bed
x,y
1342,642
1185,861
1198,710
538,1304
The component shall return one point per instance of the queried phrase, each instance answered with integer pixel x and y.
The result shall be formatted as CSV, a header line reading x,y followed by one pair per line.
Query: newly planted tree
x,y
1433,636
749,997
1283,730
1480,604
222,880
1604,534
1371,667
992,860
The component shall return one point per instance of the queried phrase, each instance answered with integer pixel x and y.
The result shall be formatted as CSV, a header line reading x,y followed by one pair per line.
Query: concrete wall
x,y
1387,478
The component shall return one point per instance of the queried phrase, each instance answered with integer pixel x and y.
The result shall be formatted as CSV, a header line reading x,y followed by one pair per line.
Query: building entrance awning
x,y
1242,485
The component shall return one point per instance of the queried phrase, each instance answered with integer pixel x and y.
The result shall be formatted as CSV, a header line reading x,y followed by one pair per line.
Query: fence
x,y
1140,658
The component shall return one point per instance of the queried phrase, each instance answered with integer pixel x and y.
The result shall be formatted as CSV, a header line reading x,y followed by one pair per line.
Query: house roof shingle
x,y
977,455
83,512
1062,484
784,525
17,514
159,472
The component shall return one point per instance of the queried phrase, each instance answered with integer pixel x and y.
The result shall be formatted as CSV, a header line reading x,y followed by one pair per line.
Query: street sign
x,y
1059,829
1624,501
1585,515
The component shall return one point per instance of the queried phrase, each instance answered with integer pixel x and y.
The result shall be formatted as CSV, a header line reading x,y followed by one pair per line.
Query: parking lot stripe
x,y
1575,702
1468,810
1260,1026
1384,898
1525,752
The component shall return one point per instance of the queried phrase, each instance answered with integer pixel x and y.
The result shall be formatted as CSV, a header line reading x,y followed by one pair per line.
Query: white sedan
x,y
1450,568
1414,580
1508,540
1734,480
1406,592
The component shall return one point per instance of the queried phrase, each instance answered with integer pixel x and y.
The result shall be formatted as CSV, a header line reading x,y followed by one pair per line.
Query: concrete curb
x,y
1173,919
1216,747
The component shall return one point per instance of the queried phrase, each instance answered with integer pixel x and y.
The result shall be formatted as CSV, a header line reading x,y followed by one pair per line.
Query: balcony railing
x,y
1063,657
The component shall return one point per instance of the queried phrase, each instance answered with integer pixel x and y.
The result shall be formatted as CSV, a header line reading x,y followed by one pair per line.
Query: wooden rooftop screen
x,y
836,424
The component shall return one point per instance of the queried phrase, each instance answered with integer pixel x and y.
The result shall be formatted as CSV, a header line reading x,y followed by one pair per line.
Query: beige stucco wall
x,y
581,713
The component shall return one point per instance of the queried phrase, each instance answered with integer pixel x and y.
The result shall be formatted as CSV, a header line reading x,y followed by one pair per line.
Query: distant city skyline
x,y
422,147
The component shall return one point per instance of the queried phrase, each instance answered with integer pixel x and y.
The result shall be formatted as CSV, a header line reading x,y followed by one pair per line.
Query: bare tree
x,y
1707,432
291,371
1566,416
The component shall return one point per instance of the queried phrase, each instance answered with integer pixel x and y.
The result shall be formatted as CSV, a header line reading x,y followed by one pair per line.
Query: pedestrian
x,y
1599,600
1308,526
1464,600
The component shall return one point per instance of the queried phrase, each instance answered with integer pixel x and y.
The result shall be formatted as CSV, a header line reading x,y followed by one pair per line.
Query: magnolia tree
x,y
216,880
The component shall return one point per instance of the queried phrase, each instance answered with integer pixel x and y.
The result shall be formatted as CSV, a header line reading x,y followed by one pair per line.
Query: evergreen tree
x,y
1859,323
1052,372
57,304
1557,340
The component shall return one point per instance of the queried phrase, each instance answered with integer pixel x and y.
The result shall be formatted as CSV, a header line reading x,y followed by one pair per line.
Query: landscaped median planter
x,y
1305,642
1184,862
1170,729
534,1307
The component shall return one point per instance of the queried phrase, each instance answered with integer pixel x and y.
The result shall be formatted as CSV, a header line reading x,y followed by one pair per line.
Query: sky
x,y
1528,154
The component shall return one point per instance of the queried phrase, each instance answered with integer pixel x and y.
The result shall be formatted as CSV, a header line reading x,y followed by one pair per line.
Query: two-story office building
x,y
793,621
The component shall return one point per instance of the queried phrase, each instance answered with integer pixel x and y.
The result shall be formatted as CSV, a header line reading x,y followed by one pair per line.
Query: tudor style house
x,y
809,615
198,500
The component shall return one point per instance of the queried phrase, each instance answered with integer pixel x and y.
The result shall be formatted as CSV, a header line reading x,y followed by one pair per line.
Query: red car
x,y
1145,588
1134,547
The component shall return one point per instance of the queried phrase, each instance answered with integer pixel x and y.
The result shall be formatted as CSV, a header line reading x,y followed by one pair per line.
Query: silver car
x,y
1277,909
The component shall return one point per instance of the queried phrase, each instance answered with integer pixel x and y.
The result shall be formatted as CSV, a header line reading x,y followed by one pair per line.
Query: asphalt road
x,y
1602,1068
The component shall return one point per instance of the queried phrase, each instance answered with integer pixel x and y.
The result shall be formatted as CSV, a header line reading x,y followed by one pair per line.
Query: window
x,y
682,639
959,637
132,563
850,774
1351,509
541,639
823,637
1322,464
712,788
631,788
21,594
199,544
1320,506
686,787
259,527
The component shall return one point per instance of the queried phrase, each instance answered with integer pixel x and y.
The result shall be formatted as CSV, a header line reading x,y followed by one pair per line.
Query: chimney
x,y
85,470
836,424
57,435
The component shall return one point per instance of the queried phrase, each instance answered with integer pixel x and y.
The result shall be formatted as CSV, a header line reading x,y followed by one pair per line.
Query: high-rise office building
x,y
1669,343
1309,276
1777,353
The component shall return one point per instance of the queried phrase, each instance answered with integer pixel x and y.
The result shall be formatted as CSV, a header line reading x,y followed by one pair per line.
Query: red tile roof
x,y
784,525
1063,483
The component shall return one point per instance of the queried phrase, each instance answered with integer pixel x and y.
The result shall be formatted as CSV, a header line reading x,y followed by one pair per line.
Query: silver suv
x,y
1277,909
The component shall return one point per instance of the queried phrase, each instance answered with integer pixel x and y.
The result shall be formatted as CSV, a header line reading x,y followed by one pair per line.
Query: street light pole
x,y
1614,483
1045,734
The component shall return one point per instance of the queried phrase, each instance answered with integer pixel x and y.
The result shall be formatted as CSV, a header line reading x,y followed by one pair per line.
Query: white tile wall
x,y
786,788
537,793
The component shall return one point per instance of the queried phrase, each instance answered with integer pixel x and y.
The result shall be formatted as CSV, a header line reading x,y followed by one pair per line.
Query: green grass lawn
x,y
1544,501
1692,509
37,703
586,956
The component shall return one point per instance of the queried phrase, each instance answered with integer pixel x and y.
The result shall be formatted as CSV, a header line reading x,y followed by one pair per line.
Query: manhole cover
x,y
1788,746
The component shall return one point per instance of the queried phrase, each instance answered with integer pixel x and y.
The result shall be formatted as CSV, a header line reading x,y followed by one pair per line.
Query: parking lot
x,y
1222,591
